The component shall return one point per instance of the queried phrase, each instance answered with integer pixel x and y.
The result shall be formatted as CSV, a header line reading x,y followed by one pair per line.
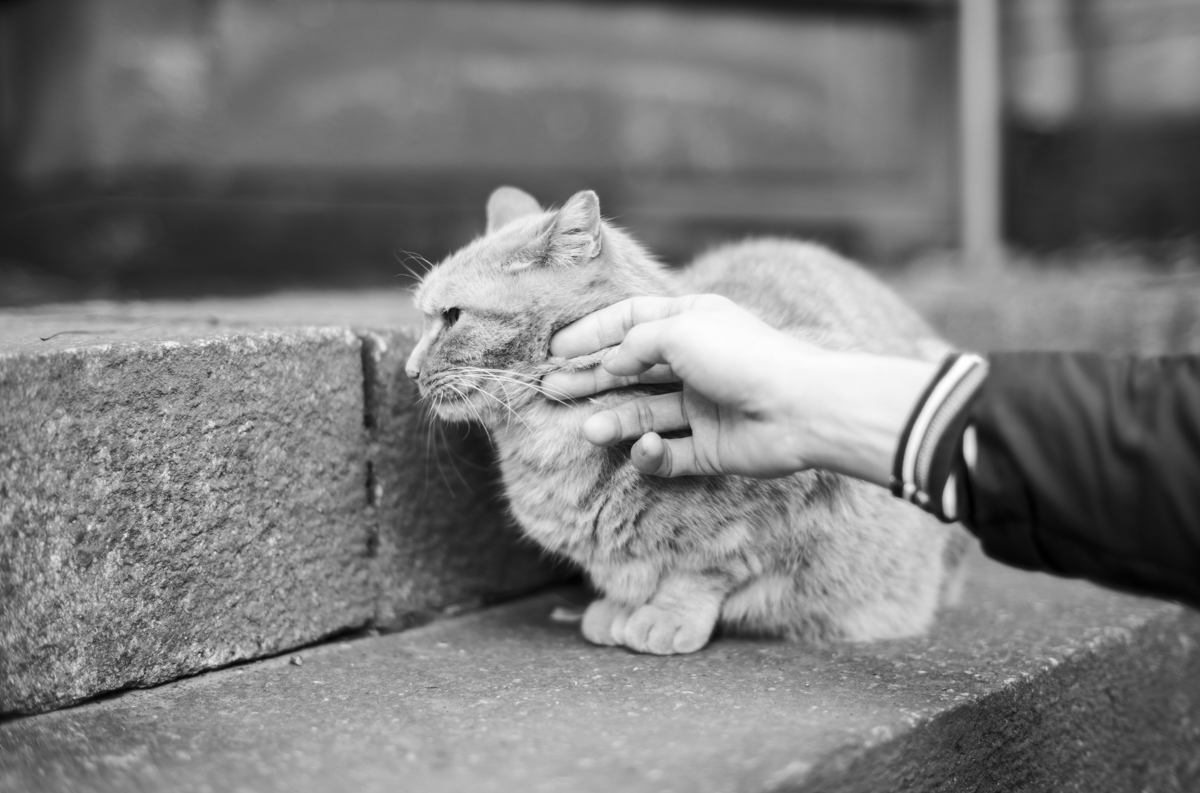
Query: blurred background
x,y
167,148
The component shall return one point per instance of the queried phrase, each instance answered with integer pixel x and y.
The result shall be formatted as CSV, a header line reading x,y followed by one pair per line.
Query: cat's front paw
x,y
654,629
604,622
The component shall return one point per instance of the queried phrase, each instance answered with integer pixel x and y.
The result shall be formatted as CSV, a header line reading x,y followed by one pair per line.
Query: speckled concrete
x,y
169,507
57,326
181,488
1032,684
136,539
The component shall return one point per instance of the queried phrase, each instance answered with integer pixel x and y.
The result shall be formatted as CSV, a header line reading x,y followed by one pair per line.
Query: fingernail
x,y
641,457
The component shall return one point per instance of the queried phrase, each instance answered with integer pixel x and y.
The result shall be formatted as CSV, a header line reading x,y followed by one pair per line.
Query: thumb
x,y
667,458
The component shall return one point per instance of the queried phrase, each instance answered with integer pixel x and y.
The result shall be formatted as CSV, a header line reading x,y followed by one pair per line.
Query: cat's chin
x,y
458,411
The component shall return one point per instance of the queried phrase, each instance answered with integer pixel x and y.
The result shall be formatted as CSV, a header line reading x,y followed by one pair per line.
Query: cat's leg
x,y
681,616
604,622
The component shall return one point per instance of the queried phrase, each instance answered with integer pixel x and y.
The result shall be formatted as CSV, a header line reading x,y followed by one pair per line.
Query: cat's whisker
x,y
410,256
437,459
417,256
475,409
503,383
515,378
430,449
465,431
453,459
456,458
433,424
511,412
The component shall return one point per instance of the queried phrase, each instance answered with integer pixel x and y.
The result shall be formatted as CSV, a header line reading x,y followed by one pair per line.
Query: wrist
x,y
860,407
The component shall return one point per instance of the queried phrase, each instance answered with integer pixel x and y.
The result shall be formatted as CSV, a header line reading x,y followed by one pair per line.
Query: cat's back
x,y
809,289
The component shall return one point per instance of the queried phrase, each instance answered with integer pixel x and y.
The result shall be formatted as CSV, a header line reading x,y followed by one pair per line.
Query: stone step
x,y
1032,683
187,485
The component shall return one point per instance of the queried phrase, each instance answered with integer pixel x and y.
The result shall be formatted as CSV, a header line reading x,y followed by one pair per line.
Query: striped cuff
x,y
922,470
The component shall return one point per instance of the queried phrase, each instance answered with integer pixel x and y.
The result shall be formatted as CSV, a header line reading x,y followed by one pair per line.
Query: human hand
x,y
758,401
736,385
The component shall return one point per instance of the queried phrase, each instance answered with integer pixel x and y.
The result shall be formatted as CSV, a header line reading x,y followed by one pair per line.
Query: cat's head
x,y
490,309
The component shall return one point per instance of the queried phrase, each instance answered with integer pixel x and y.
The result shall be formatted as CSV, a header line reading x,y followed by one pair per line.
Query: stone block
x,y
167,508
157,520
444,530
1033,683
180,493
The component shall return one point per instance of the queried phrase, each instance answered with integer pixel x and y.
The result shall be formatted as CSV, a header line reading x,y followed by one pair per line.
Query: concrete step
x,y
1033,683
187,485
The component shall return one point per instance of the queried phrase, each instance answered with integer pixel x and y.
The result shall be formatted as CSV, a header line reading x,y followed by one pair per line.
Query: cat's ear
x,y
507,204
576,237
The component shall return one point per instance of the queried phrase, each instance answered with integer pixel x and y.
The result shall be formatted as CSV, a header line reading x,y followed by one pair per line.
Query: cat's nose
x,y
416,358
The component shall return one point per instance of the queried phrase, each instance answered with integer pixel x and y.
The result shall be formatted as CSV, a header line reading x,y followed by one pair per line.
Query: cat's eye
x,y
450,316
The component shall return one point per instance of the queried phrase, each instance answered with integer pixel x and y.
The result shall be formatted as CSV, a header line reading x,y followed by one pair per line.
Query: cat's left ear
x,y
576,236
507,204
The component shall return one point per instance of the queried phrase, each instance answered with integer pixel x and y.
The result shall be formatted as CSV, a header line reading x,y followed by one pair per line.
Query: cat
x,y
813,556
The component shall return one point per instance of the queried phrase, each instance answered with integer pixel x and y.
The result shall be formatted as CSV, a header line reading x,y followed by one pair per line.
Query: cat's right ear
x,y
507,204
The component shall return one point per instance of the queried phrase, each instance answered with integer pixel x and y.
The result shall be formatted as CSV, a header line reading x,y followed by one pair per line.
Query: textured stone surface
x,y
1032,684
135,540
59,326
440,479
170,507
180,490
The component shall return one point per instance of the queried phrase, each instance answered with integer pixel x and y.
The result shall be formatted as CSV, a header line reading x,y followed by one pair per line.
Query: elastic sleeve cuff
x,y
928,467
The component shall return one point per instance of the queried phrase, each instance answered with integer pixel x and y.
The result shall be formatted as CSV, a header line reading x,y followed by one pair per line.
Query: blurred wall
x,y
174,146
1103,121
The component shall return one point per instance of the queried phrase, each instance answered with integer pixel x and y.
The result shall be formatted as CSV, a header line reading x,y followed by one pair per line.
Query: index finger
x,y
608,326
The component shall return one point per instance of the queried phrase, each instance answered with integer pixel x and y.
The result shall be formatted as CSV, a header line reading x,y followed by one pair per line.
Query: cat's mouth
x,y
451,400
478,394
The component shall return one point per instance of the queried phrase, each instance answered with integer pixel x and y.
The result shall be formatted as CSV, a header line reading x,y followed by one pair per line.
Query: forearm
x,y
855,417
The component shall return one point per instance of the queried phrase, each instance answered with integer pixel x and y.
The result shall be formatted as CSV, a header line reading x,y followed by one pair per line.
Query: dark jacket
x,y
1089,466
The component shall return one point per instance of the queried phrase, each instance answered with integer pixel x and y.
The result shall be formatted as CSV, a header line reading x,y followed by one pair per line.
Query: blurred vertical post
x,y
979,133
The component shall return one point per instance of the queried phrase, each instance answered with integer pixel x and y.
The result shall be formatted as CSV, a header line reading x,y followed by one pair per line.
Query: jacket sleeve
x,y
1088,466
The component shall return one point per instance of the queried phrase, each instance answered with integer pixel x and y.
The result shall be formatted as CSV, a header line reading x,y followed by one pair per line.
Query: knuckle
x,y
595,379
603,380
644,415
627,316
628,421
604,330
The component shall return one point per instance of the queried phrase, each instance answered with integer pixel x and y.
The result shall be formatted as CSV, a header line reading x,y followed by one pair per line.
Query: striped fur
x,y
813,556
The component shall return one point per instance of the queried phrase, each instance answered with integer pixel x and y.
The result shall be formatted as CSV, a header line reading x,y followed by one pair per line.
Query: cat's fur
x,y
811,556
